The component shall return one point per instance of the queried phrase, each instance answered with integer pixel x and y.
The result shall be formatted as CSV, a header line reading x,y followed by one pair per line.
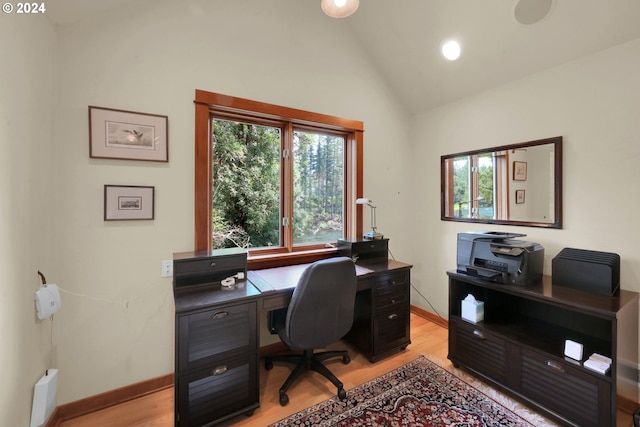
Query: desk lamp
x,y
373,234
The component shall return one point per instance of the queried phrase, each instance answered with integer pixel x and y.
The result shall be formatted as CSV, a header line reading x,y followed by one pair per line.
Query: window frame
x,y
209,105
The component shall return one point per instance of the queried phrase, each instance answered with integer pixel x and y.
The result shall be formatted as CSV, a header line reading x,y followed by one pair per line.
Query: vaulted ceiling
x,y
403,38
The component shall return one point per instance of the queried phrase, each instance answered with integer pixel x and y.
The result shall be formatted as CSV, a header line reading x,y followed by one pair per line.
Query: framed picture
x,y
519,171
519,197
128,202
118,134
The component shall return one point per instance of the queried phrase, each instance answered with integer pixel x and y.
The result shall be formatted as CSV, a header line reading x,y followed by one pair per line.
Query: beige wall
x,y
27,191
593,104
116,324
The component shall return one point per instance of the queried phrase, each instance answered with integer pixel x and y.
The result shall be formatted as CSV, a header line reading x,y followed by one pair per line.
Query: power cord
x,y
420,293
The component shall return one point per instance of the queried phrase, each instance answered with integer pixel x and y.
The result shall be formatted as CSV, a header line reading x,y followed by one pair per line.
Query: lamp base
x,y
372,235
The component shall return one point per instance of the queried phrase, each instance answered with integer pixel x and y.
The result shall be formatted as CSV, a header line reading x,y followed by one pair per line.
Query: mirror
x,y
518,184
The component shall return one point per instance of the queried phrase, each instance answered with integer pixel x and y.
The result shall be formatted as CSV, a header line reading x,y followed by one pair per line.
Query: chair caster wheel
x,y
342,394
284,399
268,365
346,359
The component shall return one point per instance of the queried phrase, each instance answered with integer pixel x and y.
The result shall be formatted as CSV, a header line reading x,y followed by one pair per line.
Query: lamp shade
x,y
339,8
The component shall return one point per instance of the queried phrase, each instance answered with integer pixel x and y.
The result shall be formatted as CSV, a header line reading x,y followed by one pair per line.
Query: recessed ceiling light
x,y
451,50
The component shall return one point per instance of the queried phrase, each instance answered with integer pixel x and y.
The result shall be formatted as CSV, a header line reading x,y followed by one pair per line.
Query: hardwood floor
x,y
156,409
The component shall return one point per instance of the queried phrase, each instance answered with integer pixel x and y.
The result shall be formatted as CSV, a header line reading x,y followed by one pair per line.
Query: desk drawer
x,y
391,328
391,282
218,391
214,334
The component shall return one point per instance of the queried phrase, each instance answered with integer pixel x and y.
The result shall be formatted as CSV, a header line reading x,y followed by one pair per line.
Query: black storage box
x,y
207,268
364,250
591,271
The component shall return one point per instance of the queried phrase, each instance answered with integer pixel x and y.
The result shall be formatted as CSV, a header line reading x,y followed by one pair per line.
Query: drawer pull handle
x,y
220,315
393,300
219,370
393,316
213,264
393,282
479,334
555,366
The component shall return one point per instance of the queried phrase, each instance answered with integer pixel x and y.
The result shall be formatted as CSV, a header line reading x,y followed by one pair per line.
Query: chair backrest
x,y
322,307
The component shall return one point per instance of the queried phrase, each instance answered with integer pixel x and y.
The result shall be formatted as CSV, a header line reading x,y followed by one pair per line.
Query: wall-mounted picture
x,y
127,135
519,171
128,202
519,197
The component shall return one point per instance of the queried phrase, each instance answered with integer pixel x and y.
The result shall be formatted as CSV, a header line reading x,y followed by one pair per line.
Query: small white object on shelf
x,y
472,309
599,363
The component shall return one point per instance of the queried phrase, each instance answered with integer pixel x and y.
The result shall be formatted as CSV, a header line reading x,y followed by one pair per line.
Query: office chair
x,y
320,313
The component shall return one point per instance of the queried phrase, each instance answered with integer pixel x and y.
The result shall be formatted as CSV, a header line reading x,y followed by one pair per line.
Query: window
x,y
277,180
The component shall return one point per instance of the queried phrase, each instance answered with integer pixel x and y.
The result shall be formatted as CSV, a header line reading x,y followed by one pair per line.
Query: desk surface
x,y
283,278
271,286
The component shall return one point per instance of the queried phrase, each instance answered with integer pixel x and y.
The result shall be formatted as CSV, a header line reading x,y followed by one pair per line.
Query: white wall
x,y
27,190
593,104
116,328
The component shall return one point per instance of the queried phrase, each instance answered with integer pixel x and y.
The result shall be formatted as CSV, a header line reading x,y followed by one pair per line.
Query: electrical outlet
x,y
167,268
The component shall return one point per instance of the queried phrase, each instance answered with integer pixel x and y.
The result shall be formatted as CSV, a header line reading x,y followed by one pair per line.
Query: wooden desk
x,y
217,331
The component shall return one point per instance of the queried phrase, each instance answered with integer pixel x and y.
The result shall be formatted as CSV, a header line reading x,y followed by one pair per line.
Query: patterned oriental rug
x,y
420,393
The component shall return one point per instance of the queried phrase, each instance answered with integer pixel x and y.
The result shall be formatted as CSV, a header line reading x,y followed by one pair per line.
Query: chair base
x,y
308,361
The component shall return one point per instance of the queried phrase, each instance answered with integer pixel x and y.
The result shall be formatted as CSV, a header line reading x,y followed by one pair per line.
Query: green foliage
x,y
246,185
246,181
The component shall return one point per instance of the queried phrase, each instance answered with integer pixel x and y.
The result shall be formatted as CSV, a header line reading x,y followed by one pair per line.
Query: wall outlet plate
x,y
167,268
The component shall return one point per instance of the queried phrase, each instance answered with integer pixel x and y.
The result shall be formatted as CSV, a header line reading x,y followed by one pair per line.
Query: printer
x,y
498,257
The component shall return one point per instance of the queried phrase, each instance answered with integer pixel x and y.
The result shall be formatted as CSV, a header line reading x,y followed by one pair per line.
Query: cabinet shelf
x,y
519,345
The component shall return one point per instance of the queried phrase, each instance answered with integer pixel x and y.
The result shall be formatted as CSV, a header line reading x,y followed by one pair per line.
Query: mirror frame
x,y
557,186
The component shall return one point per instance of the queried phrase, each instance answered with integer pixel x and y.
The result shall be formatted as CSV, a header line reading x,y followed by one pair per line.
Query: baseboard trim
x,y
434,318
104,400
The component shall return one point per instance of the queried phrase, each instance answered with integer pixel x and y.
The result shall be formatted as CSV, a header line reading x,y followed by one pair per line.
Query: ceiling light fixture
x,y
529,12
451,50
339,8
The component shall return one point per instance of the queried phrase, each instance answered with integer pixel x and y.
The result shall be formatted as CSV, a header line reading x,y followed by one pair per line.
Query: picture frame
x,y
519,171
127,135
519,197
128,202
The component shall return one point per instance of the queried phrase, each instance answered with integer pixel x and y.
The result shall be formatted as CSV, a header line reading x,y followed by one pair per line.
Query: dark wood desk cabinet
x,y
217,337
216,344
519,346
381,323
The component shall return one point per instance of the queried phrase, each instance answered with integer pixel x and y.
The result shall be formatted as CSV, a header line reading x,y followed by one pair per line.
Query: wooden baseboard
x,y
109,398
434,318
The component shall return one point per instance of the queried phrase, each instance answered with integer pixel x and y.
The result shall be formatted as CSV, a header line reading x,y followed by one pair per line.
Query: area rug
x,y
420,393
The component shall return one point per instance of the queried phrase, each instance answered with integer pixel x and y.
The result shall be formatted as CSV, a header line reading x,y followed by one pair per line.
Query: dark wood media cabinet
x,y
519,346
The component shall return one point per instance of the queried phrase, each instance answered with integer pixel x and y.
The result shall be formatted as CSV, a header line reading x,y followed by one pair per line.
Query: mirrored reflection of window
x,y
479,186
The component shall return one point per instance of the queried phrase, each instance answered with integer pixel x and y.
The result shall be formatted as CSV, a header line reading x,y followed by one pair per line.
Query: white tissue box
x,y
473,311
